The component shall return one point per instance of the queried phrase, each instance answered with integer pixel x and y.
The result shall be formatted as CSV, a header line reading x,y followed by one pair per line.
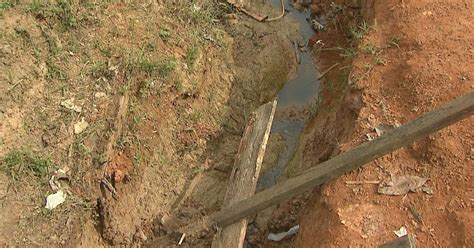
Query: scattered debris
x,y
80,126
415,214
362,182
297,52
109,187
100,95
383,128
401,232
58,175
54,200
316,25
69,104
401,185
119,166
280,236
181,239
328,70
427,189
406,241
257,17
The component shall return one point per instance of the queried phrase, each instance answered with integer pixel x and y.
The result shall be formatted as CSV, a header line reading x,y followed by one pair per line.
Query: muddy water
x,y
299,93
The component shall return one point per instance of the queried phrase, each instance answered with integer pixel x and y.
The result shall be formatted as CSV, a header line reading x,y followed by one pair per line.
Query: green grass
x,y
164,34
100,69
348,52
371,49
20,163
191,56
359,31
61,9
394,42
6,4
152,67
54,71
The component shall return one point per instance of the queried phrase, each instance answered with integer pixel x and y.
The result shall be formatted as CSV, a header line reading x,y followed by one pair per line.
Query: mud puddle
x,y
296,96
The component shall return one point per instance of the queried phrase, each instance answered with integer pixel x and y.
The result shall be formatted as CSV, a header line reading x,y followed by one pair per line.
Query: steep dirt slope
x,y
416,56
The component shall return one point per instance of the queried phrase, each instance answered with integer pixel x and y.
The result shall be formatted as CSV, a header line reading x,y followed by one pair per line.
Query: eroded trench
x,y
277,60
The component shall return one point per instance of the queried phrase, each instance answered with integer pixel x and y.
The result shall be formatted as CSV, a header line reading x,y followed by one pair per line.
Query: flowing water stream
x,y
301,92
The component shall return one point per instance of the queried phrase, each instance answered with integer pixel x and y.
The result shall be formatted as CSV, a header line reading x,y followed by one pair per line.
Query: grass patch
x,y
359,31
54,71
61,9
100,69
394,42
162,68
21,163
371,49
192,54
164,35
348,52
6,4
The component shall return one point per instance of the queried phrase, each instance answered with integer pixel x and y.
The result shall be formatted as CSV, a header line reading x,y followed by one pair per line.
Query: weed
x,y
23,33
348,52
148,47
21,163
371,49
63,11
115,32
380,61
100,69
191,56
178,85
165,35
394,42
65,14
145,88
54,71
364,27
152,67
37,8
359,31
6,4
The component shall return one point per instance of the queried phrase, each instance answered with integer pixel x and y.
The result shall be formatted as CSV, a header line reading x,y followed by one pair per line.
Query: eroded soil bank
x,y
415,56
193,71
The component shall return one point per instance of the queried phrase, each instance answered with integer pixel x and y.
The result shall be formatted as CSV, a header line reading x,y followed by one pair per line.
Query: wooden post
x,y
247,165
431,122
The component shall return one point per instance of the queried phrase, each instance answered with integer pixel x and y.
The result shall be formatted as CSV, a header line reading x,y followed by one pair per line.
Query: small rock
x,y
100,95
69,104
80,126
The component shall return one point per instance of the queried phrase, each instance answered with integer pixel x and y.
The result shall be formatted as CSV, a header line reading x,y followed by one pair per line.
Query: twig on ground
x,y
361,182
328,70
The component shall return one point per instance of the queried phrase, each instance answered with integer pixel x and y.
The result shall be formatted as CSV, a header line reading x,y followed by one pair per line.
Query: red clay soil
x,y
418,56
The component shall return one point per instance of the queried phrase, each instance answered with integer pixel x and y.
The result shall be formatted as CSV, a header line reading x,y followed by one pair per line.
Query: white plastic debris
x,y
280,236
401,232
69,104
54,200
80,126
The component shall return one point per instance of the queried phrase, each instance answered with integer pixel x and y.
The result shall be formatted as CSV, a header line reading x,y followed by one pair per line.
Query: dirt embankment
x,y
413,57
191,78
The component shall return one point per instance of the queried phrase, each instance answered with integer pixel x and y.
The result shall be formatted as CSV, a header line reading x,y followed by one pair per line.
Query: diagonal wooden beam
x,y
448,114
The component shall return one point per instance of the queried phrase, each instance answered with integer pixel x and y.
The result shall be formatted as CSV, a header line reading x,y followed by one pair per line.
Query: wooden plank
x,y
431,122
244,176
406,241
